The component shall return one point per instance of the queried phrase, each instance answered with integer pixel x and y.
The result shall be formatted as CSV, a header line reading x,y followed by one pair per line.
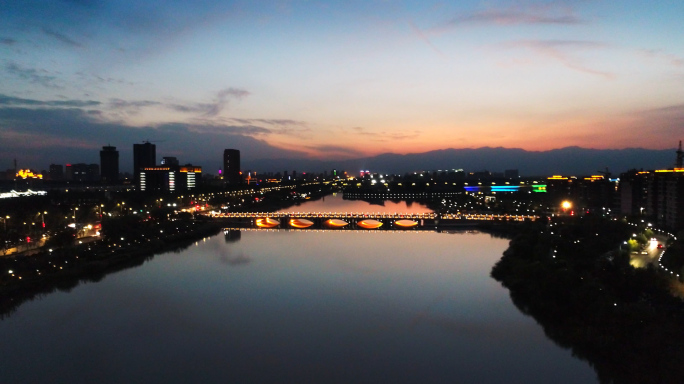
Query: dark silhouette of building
x,y
511,174
144,155
56,172
109,165
231,166
82,172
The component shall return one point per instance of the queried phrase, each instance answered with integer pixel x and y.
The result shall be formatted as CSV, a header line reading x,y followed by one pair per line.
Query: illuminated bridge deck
x,y
379,216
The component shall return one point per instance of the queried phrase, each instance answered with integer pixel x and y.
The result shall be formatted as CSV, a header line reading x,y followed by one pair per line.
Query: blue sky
x,y
333,80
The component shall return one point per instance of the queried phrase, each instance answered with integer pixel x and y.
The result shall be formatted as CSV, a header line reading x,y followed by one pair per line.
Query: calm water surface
x,y
292,306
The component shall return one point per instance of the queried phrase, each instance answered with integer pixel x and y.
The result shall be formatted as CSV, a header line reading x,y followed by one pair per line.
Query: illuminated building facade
x,y
657,195
190,176
169,178
28,174
144,155
156,179
109,165
231,166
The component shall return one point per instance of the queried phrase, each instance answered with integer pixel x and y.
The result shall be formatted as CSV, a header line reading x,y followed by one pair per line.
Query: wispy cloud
x,y
61,37
35,76
282,127
9,100
279,122
222,98
424,38
335,150
203,110
213,109
245,130
384,136
131,106
558,13
300,132
559,50
662,55
511,17
7,41
119,108
94,78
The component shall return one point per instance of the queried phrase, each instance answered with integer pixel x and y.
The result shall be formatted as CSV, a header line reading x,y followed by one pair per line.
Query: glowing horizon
x,y
331,80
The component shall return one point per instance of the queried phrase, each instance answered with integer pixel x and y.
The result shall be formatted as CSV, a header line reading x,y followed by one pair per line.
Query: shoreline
x,y
622,320
89,265
25,277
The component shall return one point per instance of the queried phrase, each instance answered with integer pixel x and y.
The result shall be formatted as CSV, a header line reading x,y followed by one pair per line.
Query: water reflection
x,y
304,306
311,306
232,235
335,203
234,260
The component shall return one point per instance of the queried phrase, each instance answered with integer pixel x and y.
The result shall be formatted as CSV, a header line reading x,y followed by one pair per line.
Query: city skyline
x,y
336,81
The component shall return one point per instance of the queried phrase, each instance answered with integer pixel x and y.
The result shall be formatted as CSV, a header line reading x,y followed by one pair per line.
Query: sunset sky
x,y
343,79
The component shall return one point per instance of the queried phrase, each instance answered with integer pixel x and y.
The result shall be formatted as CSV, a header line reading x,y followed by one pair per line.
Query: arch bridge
x,y
367,220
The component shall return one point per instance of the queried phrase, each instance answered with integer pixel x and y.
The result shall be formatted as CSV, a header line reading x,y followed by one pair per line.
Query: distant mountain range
x,y
567,161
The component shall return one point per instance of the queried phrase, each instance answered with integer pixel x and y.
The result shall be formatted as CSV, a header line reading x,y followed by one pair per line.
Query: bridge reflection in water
x,y
339,220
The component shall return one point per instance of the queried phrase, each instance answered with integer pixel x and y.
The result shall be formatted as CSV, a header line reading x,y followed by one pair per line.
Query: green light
x,y
539,188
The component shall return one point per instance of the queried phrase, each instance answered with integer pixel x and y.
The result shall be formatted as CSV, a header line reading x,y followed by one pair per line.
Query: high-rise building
x,y
144,155
56,172
657,194
109,165
231,166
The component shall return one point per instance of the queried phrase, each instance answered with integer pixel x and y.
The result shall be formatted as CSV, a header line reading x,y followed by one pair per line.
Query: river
x,y
293,306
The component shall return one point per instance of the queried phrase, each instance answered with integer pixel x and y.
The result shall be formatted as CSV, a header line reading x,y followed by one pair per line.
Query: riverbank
x,y
127,241
572,280
25,277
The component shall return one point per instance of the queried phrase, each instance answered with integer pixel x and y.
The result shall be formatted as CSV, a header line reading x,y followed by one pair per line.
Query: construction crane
x,y
605,173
